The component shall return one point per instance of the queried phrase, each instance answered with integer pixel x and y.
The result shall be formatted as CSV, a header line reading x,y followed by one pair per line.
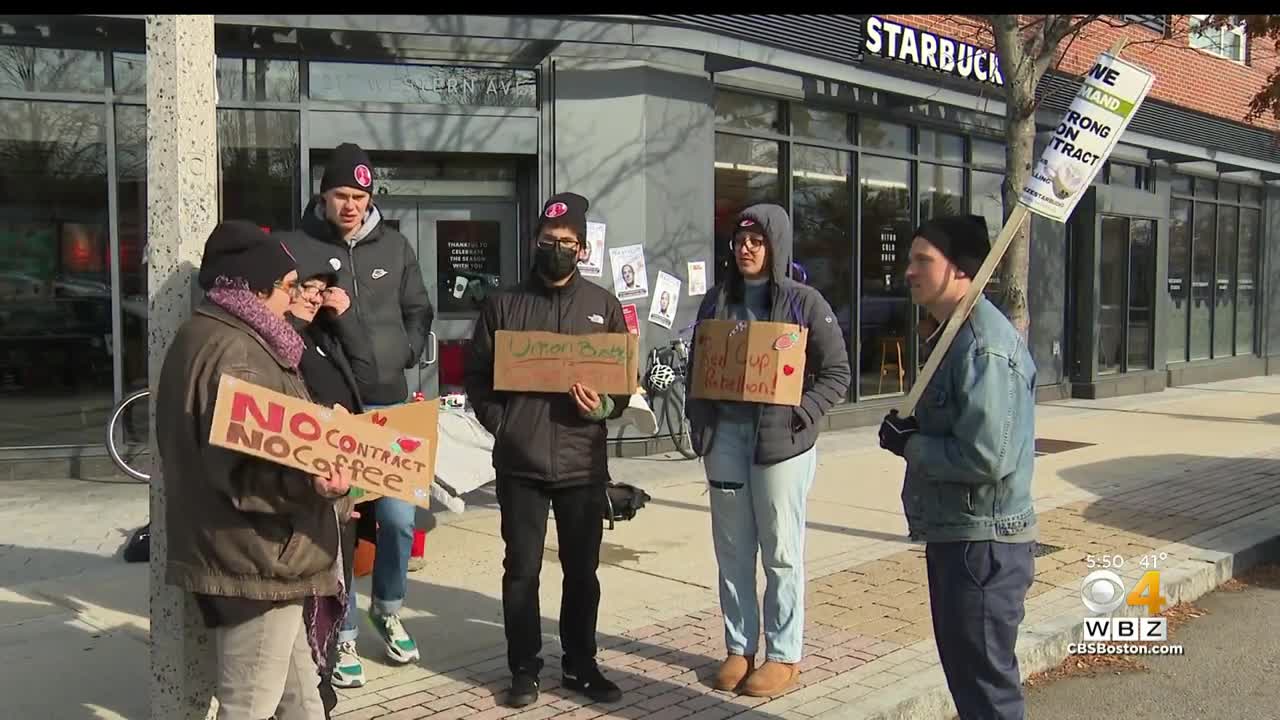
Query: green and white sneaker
x,y
348,672
400,648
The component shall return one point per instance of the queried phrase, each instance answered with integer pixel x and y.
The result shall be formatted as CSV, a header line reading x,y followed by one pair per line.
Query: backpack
x,y
138,549
623,501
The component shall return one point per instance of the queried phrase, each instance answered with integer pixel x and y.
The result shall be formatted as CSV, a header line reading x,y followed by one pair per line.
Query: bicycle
x,y
664,379
132,418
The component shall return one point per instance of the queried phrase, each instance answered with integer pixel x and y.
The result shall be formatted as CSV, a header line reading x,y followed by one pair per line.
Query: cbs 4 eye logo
x,y
1103,591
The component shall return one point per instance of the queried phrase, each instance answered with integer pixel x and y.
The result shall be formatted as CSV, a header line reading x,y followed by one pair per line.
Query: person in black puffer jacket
x,y
549,451
761,459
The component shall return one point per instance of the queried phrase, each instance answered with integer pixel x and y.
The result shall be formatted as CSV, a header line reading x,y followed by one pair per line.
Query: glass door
x,y
1126,294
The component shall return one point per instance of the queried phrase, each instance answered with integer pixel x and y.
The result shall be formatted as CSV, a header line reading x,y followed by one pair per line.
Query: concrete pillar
x,y
182,208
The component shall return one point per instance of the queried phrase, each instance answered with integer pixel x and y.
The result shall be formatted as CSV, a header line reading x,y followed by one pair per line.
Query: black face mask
x,y
555,263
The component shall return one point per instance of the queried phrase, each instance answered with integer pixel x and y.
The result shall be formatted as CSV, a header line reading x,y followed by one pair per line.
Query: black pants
x,y
977,593
579,515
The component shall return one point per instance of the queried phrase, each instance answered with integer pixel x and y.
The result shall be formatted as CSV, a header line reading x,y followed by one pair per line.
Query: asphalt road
x,y
1229,669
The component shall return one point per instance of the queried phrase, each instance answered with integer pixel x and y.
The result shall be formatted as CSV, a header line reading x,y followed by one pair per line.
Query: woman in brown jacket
x,y
256,542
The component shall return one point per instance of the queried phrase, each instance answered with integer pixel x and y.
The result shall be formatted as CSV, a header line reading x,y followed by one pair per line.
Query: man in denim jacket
x,y
969,449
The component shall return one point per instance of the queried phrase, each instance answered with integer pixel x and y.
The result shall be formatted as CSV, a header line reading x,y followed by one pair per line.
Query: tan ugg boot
x,y
732,672
772,679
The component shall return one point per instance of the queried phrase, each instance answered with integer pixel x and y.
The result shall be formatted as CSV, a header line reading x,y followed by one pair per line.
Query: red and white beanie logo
x,y
363,176
746,222
557,209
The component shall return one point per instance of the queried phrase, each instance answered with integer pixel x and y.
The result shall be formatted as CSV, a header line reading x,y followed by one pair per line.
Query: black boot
x,y
591,682
523,690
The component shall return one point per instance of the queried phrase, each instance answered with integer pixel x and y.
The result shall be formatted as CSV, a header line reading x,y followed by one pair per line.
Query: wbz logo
x,y
1139,629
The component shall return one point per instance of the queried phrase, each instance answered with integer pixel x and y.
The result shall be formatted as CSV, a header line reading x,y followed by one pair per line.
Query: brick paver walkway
x,y
866,624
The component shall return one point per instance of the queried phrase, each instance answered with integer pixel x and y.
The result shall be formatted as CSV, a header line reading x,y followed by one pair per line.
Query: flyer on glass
x,y
630,281
666,295
697,278
591,259
632,318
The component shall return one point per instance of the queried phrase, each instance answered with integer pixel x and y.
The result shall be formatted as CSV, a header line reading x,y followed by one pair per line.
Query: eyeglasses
x,y
752,242
293,288
566,244
311,292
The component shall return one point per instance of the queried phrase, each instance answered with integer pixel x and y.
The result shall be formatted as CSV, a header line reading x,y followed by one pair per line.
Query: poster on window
x,y
591,258
632,318
630,281
697,278
666,295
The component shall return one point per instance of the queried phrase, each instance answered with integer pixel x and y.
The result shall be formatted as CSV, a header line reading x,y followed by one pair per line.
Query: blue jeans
x,y
765,511
390,563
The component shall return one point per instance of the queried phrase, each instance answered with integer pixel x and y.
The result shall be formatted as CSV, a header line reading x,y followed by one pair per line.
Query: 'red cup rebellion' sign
x,y
289,431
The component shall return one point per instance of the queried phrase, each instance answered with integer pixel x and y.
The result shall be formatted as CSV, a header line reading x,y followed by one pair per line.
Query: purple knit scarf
x,y
239,300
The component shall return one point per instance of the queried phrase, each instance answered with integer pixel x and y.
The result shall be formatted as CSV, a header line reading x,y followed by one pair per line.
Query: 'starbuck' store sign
x,y
904,43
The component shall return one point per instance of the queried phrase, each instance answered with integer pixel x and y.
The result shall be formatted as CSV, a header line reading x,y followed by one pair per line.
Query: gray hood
x,y
777,226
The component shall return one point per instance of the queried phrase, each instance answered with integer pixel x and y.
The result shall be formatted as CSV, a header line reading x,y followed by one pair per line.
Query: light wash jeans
x,y
766,512
265,668
390,563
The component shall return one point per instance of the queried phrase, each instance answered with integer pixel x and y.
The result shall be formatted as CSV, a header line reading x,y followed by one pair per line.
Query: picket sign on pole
x,y
1111,93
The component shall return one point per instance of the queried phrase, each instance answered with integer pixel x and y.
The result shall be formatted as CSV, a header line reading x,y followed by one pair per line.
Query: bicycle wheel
x,y
679,426
129,436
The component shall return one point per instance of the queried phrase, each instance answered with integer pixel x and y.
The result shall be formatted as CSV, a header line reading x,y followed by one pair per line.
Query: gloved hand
x,y
895,431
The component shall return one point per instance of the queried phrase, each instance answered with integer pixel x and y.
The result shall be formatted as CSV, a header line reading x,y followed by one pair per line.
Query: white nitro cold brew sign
x,y
1112,91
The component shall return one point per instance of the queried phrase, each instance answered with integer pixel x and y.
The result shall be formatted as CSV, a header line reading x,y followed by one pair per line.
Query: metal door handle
x,y
433,350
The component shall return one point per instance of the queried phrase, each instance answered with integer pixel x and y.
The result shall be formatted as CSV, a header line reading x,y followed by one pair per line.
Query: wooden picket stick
x,y
962,310
965,306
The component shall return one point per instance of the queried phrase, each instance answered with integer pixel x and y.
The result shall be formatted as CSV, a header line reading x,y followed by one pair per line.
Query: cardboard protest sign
x,y
1108,99
749,361
528,361
256,421
421,419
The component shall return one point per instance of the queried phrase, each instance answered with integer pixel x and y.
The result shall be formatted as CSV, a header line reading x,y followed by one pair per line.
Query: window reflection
x,y
131,196
746,174
1203,229
823,224
1142,288
36,69
1246,297
885,303
258,158
1111,293
55,292
1179,283
1224,290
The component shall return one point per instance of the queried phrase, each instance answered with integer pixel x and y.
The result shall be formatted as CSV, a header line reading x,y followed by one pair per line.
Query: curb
x,y
1238,545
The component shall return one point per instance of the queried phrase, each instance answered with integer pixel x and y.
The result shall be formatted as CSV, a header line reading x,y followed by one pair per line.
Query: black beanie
x,y
349,166
240,251
962,239
568,208
314,258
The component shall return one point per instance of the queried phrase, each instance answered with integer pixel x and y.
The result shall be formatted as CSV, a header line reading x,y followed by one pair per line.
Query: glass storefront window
x,y
1203,229
129,73
36,69
1229,192
822,206
1205,188
881,135
1246,291
1142,290
1224,290
747,112
940,191
258,167
131,201
819,124
1250,195
987,153
423,84
1111,277
1179,283
1181,184
55,286
885,301
241,79
746,173
942,146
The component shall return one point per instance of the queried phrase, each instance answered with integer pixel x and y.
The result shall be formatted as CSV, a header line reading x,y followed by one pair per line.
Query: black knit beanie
x,y
568,208
349,166
962,239
240,251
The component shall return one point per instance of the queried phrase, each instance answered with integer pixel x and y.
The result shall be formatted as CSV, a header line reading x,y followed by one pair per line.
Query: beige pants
x,y
265,669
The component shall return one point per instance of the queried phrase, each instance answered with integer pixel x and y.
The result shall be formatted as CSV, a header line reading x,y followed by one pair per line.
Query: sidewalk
x,y
1191,472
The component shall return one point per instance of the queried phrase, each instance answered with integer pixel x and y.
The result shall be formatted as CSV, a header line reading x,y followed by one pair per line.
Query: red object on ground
x,y
419,543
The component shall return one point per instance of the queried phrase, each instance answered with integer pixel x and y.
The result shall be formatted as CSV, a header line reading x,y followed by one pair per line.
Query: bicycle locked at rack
x,y
665,381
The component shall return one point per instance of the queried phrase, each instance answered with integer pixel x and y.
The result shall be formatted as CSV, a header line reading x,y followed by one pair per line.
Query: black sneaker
x,y
593,684
523,690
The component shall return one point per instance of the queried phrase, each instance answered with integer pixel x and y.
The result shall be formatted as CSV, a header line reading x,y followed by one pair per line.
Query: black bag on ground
x,y
623,501
138,549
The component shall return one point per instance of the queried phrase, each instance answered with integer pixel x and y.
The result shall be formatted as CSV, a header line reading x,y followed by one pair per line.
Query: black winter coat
x,y
541,436
783,432
381,274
